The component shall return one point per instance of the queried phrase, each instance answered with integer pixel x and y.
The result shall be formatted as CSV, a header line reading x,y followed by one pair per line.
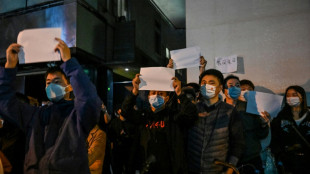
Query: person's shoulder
x,y
224,105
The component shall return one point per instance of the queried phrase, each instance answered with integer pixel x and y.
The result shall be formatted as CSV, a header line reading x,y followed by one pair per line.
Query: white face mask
x,y
208,91
243,95
293,101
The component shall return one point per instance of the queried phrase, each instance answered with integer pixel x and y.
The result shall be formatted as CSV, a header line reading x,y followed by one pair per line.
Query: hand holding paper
x,y
135,83
12,55
265,118
64,50
170,64
203,64
177,85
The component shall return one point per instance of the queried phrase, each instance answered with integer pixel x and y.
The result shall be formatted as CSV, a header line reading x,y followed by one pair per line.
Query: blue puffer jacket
x,y
56,134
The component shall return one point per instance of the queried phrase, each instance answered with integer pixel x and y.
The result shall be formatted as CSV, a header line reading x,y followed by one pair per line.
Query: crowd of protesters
x,y
194,129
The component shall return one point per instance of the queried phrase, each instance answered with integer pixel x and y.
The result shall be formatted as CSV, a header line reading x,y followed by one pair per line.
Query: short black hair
x,y
247,82
189,92
55,69
213,72
231,76
195,86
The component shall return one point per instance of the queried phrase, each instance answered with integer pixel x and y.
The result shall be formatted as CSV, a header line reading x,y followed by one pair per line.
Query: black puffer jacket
x,y
217,135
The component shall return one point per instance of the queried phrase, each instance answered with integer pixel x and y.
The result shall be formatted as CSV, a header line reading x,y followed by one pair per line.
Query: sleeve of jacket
x,y
276,142
187,111
96,150
10,107
236,138
128,111
262,131
86,103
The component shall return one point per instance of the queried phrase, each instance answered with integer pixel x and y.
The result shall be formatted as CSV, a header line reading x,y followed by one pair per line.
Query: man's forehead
x,y
246,86
233,80
210,77
54,75
153,92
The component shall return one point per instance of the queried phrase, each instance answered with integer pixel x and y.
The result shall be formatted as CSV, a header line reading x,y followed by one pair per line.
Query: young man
x,y
255,127
56,134
162,128
218,133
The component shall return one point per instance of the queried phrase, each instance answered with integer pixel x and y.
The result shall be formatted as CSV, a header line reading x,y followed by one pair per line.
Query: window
x,y
157,43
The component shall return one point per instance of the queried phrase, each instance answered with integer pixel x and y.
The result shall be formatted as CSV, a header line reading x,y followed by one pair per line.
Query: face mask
x,y
292,101
243,95
208,91
55,92
157,102
234,92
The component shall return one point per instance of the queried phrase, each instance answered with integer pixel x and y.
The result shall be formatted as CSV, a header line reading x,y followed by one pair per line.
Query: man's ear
x,y
167,98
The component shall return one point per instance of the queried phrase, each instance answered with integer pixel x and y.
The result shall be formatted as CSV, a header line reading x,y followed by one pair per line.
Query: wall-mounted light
x,y
126,69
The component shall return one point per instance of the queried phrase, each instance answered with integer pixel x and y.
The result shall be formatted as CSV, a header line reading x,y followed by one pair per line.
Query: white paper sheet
x,y
192,75
38,45
226,64
186,58
156,78
259,102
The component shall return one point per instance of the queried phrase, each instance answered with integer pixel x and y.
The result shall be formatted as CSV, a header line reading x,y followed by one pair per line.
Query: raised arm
x,y
186,111
128,111
10,107
203,64
86,103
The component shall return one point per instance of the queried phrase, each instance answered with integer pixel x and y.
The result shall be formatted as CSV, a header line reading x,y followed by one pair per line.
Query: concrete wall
x,y
272,36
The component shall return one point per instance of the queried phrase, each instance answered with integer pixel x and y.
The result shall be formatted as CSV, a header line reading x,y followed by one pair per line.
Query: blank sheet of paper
x,y
156,78
38,45
259,102
186,58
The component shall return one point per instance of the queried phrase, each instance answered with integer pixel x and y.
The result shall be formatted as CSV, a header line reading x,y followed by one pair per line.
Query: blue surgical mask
x,y
55,92
208,91
234,92
157,102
